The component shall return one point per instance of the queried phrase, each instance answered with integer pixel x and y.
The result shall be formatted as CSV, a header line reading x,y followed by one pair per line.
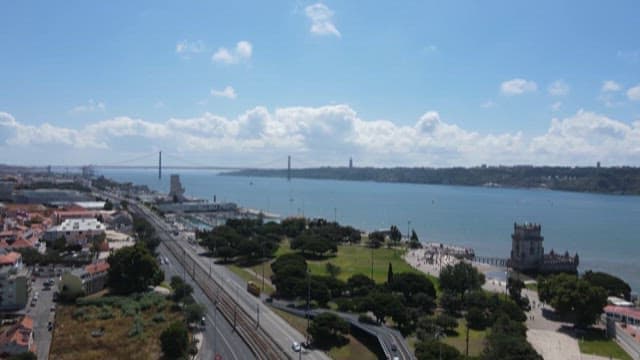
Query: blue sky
x,y
407,83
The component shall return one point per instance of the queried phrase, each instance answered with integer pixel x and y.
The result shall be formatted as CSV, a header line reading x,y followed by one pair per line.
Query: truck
x,y
253,288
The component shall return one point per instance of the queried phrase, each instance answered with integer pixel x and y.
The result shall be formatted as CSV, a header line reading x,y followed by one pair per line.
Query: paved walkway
x,y
543,334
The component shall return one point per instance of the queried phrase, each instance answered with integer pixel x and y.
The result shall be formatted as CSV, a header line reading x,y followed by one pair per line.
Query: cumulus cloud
x,y
610,86
517,86
90,106
242,52
558,88
228,92
634,93
327,133
187,48
321,20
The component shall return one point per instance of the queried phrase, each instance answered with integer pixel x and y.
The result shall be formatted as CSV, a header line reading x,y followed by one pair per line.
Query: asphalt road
x,y
219,337
41,315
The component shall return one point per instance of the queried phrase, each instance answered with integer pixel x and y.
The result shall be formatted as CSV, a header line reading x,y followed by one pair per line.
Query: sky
x,y
387,83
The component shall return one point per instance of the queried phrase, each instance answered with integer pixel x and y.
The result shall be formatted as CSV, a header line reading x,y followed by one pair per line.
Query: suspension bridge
x,y
158,160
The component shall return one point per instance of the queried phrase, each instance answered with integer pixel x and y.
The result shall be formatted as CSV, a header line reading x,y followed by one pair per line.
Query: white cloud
x,y
90,106
517,86
487,104
186,48
228,92
556,106
610,86
325,134
242,52
634,93
558,88
321,20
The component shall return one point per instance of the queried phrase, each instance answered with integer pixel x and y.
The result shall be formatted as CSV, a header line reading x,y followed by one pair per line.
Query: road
x,y
219,337
269,323
41,315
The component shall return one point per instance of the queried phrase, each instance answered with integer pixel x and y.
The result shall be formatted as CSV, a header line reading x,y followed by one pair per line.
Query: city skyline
x,y
247,83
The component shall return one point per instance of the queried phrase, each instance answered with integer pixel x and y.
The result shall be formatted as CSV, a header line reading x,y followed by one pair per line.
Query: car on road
x,y
50,326
53,308
394,348
296,346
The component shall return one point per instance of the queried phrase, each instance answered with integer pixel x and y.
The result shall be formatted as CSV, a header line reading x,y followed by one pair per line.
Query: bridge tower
x,y
289,168
160,165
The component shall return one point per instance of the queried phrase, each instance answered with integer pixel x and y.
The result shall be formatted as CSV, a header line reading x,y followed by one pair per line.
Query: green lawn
x,y
596,343
476,339
353,350
356,259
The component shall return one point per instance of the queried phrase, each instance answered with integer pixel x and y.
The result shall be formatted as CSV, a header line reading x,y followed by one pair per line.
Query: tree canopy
x,y
175,340
613,285
133,269
573,297
328,329
460,278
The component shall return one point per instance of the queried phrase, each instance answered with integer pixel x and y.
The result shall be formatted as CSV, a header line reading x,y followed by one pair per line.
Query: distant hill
x,y
609,180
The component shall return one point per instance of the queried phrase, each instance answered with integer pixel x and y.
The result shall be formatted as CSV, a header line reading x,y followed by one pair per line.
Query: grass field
x,y
596,343
353,350
72,334
476,339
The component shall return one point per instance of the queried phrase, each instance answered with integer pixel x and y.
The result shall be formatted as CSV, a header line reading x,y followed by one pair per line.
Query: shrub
x,y
159,317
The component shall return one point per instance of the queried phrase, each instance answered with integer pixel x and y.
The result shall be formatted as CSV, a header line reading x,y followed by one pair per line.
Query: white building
x,y
76,231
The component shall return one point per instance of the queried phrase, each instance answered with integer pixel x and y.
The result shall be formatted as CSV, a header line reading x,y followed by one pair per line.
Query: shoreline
x,y
431,265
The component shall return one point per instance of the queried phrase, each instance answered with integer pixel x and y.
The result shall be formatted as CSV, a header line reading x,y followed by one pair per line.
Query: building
x,y
197,207
120,221
76,231
15,282
92,278
18,338
176,191
527,253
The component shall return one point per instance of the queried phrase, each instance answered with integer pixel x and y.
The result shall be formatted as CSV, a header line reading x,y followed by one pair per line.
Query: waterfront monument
x,y
176,191
527,253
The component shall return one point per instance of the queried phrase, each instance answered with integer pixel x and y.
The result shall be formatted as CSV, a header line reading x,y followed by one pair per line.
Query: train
x,y
253,288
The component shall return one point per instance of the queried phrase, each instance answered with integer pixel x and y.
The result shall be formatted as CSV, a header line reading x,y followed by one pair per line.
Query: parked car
x,y
296,346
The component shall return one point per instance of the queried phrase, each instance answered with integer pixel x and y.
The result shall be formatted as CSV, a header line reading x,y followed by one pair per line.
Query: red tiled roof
x,y
10,258
22,243
623,310
97,267
19,333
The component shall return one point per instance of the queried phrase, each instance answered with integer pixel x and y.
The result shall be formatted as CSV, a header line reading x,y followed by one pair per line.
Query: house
x,y
91,279
121,221
18,338
15,281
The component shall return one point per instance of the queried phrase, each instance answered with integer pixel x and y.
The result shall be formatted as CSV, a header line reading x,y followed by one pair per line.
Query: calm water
x,y
603,229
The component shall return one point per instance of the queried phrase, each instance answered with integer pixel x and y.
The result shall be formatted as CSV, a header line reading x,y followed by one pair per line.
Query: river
x,y
603,229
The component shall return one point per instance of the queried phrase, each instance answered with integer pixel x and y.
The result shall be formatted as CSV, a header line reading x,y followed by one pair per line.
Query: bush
x,y
158,318
105,313
79,314
137,328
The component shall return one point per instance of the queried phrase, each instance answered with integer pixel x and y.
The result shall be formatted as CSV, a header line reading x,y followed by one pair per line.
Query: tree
x,y
450,302
514,287
175,340
328,329
133,269
395,235
376,239
507,340
460,278
574,298
410,284
390,274
476,318
181,289
194,312
433,349
332,269
360,285
108,205
414,242
382,305
446,322
613,285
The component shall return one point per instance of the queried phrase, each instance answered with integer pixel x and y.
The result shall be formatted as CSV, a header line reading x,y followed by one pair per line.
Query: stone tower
x,y
527,253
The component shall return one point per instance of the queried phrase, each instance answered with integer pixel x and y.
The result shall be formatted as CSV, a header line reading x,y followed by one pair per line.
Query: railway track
x,y
245,325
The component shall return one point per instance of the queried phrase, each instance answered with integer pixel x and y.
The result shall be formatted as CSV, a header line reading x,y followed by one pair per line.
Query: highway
x,y
219,337
268,335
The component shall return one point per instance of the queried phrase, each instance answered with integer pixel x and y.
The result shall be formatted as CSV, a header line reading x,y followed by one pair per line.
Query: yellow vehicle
x,y
253,288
